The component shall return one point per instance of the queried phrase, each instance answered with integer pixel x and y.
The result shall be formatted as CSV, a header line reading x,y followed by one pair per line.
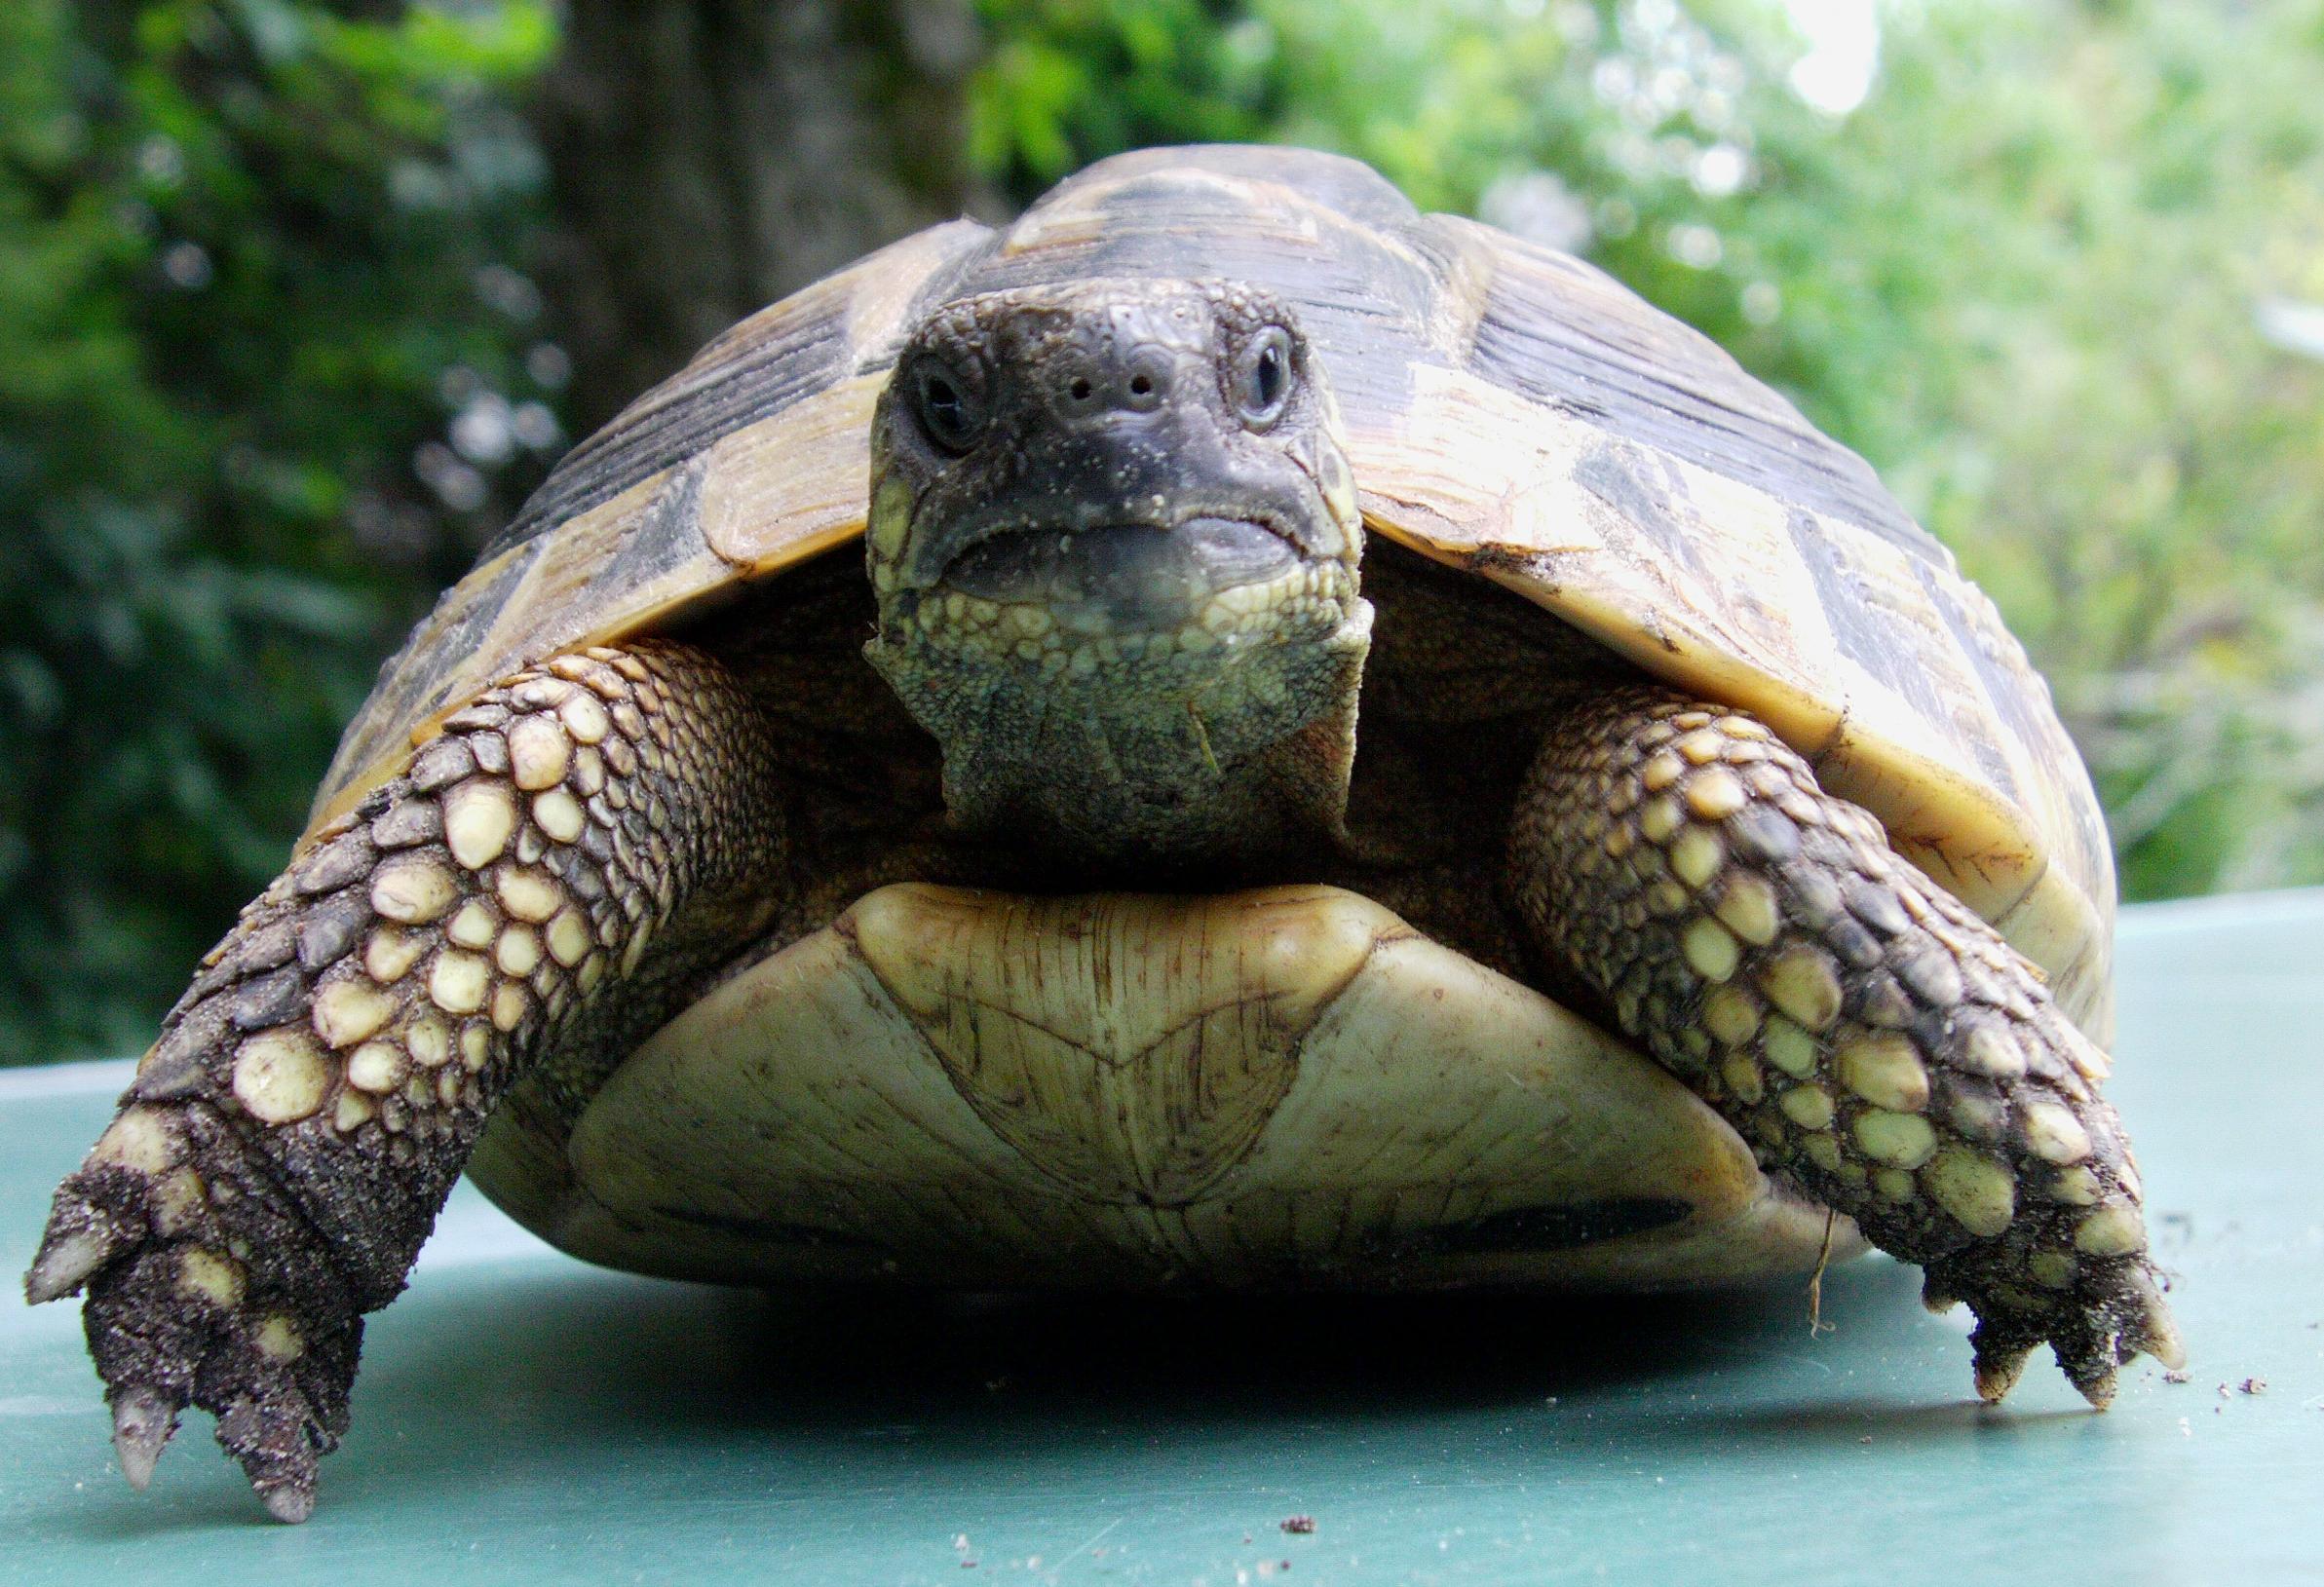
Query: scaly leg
x,y
1871,1036
289,1140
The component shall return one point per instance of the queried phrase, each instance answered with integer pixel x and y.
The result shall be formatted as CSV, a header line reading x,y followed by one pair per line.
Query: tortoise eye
x,y
1262,385
950,404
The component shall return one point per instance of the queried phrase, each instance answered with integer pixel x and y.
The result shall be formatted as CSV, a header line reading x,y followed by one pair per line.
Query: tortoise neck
x,y
1179,761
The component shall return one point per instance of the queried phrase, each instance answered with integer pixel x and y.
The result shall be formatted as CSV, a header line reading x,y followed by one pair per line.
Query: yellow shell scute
x,y
1329,1097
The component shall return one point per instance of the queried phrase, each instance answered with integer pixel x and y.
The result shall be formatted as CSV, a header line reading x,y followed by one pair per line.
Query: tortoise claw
x,y
273,1436
2113,1313
2155,1331
2098,1387
79,1242
290,1502
142,1421
1998,1368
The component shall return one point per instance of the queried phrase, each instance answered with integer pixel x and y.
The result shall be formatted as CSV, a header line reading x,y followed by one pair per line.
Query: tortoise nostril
x,y
1141,385
1079,389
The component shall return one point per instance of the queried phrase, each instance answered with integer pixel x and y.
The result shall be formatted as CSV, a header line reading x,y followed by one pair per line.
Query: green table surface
x,y
523,1418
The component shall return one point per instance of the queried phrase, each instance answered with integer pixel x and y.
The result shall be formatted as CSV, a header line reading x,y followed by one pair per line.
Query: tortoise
x,y
1352,753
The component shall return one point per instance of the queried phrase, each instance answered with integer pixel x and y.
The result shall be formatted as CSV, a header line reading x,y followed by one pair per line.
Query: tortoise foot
x,y
2107,1311
204,1287
288,1140
1873,1038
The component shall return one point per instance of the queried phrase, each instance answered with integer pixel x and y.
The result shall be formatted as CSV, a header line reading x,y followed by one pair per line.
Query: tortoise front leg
x,y
289,1140
1873,1038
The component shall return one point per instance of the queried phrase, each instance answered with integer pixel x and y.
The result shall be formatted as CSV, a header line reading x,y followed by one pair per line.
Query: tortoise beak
x,y
1131,520
1123,576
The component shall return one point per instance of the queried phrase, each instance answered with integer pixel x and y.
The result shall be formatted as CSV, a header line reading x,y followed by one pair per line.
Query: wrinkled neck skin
x,y
1143,766
1118,588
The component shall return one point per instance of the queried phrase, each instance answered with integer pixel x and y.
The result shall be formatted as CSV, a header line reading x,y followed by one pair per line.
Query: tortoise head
x,y
1114,544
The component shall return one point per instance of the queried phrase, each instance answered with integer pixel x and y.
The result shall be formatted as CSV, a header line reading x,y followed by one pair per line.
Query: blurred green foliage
x,y
250,256
271,360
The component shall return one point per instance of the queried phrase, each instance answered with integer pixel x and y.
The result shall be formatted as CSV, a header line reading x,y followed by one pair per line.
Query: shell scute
x,y
1509,410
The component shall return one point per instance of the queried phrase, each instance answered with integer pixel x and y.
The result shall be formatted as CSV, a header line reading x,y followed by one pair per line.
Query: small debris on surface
x,y
2254,1385
1299,1525
2177,1376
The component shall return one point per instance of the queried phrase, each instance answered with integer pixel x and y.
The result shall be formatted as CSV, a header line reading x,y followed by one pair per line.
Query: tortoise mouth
x,y
1124,576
